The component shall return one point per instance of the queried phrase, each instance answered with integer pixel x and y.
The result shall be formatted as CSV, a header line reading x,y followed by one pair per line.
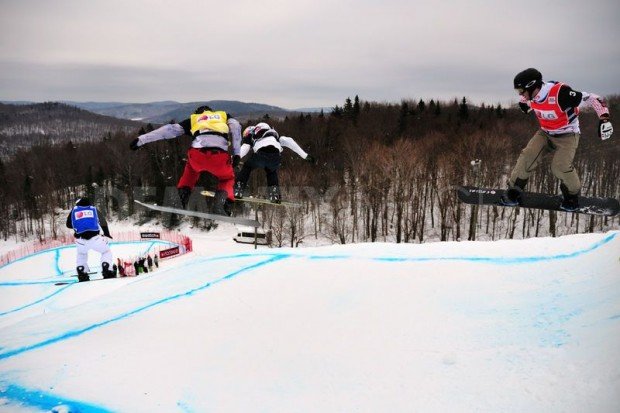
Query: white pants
x,y
96,243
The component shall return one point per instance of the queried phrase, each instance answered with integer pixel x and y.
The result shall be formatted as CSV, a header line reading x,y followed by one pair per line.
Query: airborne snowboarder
x,y
556,106
267,146
209,152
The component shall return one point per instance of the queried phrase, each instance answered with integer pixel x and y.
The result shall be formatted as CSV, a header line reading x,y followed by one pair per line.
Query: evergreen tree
x,y
421,105
348,108
499,112
402,116
337,112
356,107
463,110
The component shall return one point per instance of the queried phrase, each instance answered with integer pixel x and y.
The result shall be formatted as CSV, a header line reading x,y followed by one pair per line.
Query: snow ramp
x,y
506,326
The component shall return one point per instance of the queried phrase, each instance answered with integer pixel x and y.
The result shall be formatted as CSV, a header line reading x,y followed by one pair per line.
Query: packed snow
x,y
507,326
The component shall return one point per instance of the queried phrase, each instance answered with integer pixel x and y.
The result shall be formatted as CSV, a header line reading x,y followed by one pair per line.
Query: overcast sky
x,y
302,53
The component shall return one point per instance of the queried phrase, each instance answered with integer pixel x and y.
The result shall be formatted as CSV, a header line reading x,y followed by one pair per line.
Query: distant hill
x,y
164,112
24,125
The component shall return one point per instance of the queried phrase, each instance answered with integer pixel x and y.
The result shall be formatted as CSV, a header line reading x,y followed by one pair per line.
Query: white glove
x,y
605,129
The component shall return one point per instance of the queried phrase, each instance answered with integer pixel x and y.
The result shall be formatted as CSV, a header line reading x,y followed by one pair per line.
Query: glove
x,y
525,108
235,161
605,129
311,159
135,144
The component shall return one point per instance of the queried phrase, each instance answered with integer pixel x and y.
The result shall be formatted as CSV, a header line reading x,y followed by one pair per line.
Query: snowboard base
x,y
254,200
490,196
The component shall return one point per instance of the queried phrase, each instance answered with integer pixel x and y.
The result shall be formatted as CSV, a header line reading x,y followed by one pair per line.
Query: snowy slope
x,y
508,326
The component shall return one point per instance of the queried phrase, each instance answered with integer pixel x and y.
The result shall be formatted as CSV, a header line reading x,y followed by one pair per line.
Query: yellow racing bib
x,y
209,121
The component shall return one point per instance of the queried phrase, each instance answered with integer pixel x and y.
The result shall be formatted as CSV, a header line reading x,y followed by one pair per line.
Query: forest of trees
x,y
386,172
22,126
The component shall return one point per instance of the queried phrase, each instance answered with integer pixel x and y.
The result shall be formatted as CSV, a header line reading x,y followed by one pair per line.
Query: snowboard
x,y
215,217
254,200
92,279
490,196
81,282
75,275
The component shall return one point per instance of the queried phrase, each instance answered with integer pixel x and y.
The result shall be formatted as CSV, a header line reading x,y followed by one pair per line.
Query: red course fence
x,y
183,241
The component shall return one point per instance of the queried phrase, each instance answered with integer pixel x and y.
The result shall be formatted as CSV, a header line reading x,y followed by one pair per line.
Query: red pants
x,y
216,163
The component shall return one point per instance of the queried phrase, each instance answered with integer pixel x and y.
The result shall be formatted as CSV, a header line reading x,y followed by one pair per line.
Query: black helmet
x,y
83,201
201,109
528,80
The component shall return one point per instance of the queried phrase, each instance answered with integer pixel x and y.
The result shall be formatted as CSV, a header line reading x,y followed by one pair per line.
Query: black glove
x,y
605,129
311,159
134,144
235,161
525,108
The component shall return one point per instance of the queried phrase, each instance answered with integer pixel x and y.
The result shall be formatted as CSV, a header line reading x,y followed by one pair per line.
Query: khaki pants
x,y
563,148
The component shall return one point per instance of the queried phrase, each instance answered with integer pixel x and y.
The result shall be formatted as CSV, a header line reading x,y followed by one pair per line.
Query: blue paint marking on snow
x,y
35,302
57,263
489,260
22,283
46,402
81,331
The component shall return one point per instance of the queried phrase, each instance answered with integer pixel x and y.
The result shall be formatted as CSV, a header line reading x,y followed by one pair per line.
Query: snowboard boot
x,y
106,272
184,193
82,274
273,194
219,202
513,195
228,207
570,202
239,189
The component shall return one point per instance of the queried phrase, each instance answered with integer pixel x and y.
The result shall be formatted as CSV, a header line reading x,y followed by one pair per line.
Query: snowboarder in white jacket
x,y
266,145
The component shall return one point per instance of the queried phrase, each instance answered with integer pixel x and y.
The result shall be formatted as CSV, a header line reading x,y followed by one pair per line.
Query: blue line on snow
x,y
56,262
44,401
35,302
22,283
137,310
489,260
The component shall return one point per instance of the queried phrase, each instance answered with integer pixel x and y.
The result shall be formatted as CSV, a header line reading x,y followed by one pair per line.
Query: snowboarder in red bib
x,y
556,106
209,152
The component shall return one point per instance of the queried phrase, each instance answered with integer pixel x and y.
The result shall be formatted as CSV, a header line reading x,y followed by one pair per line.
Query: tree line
x,y
386,172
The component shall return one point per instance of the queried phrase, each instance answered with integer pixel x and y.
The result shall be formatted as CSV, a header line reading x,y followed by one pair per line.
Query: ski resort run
x,y
504,326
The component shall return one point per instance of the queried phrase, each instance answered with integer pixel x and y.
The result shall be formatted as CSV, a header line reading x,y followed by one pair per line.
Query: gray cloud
x,y
303,53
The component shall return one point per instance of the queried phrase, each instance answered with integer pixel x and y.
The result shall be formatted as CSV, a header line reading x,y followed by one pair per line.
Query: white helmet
x,y
261,127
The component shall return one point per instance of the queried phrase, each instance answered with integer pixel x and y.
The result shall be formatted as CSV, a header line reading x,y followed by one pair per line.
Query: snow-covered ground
x,y
507,326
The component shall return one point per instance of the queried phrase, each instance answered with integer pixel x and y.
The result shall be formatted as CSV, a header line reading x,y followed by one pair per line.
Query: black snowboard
x,y
489,196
